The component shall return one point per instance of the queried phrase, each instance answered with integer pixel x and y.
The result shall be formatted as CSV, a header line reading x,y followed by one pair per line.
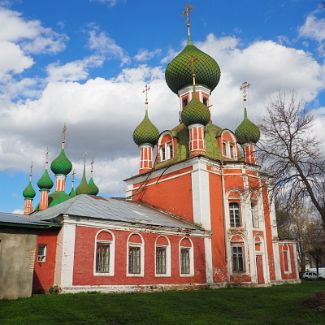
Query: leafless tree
x,y
290,153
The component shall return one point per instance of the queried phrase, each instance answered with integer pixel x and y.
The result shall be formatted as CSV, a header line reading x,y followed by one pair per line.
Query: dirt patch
x,y
316,302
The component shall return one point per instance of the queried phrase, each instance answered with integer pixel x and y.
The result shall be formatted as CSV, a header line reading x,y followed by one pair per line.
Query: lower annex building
x,y
198,213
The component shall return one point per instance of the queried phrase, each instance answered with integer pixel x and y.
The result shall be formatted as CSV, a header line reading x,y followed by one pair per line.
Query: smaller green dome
x,y
84,188
45,182
146,132
61,165
247,131
29,192
72,193
93,186
56,198
195,112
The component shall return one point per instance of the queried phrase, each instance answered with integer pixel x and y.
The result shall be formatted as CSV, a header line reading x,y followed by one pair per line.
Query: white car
x,y
309,275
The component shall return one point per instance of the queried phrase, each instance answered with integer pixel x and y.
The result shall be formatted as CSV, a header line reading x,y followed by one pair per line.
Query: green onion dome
x,y
247,131
61,165
72,193
146,132
29,192
178,73
56,198
45,182
195,112
84,188
93,186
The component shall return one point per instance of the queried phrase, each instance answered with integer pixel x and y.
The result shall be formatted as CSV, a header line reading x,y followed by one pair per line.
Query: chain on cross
x,y
145,91
64,133
244,88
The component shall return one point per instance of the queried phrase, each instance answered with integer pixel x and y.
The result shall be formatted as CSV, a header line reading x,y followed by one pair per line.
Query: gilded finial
x,y
64,133
244,88
145,91
193,62
72,178
31,172
186,13
47,158
92,168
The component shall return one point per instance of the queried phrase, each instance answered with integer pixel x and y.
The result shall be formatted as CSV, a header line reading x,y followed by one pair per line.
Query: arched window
x,y
229,146
135,256
163,256
104,253
238,254
186,257
286,259
234,214
166,146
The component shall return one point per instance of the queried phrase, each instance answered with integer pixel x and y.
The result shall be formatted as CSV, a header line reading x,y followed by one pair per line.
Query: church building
x,y
198,213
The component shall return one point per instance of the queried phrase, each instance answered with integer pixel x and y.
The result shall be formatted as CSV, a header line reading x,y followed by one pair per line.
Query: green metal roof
x,y
29,192
61,165
93,186
178,73
84,188
57,198
247,131
146,132
45,182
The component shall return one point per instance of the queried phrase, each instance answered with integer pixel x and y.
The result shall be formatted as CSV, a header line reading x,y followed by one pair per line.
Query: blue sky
x,y
84,63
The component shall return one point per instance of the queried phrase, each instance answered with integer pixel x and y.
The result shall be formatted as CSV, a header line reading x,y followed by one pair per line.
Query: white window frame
x,y
239,212
41,258
111,254
191,255
141,245
242,245
168,257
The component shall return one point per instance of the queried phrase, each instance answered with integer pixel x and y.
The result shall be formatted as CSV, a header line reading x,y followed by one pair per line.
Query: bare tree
x,y
292,155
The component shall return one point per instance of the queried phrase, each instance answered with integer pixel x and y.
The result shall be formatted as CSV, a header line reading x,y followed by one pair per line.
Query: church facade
x,y
198,212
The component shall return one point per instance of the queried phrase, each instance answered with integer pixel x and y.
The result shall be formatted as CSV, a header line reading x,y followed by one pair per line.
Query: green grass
x,y
275,305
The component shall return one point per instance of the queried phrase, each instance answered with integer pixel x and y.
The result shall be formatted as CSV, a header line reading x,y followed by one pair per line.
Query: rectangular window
x,y
134,260
170,148
224,148
286,261
41,253
161,260
163,153
237,259
185,260
102,257
232,151
234,215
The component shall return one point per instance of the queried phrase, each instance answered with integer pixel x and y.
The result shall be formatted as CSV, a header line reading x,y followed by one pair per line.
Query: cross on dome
x,y
186,13
64,133
193,61
244,88
145,91
31,171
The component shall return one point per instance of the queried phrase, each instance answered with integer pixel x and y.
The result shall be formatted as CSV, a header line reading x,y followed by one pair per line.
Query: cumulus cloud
x,y
103,44
101,114
146,55
314,29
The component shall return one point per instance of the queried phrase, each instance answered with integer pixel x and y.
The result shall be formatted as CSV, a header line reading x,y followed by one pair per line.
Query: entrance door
x,y
259,267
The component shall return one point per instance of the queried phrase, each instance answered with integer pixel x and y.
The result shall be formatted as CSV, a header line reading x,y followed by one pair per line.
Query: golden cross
x,y
92,168
64,133
31,172
244,88
73,175
186,13
146,90
46,157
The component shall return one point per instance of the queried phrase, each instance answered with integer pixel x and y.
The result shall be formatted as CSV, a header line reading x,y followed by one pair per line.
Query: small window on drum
x,y
184,102
170,149
205,101
163,153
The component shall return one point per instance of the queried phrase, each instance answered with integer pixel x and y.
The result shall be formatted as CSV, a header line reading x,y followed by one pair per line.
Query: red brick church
x,y
198,213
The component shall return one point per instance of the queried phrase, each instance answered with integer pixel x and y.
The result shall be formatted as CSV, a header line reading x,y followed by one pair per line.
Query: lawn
x,y
275,305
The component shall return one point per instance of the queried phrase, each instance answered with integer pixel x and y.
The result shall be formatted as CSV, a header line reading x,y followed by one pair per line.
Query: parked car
x,y
309,275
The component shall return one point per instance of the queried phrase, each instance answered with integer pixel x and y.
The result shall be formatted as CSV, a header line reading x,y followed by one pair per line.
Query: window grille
x,y
41,253
185,260
134,260
237,259
161,260
234,215
103,258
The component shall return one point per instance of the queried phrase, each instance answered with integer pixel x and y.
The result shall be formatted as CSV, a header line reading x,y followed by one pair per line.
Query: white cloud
x,y
103,44
314,28
109,3
73,71
146,55
102,114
